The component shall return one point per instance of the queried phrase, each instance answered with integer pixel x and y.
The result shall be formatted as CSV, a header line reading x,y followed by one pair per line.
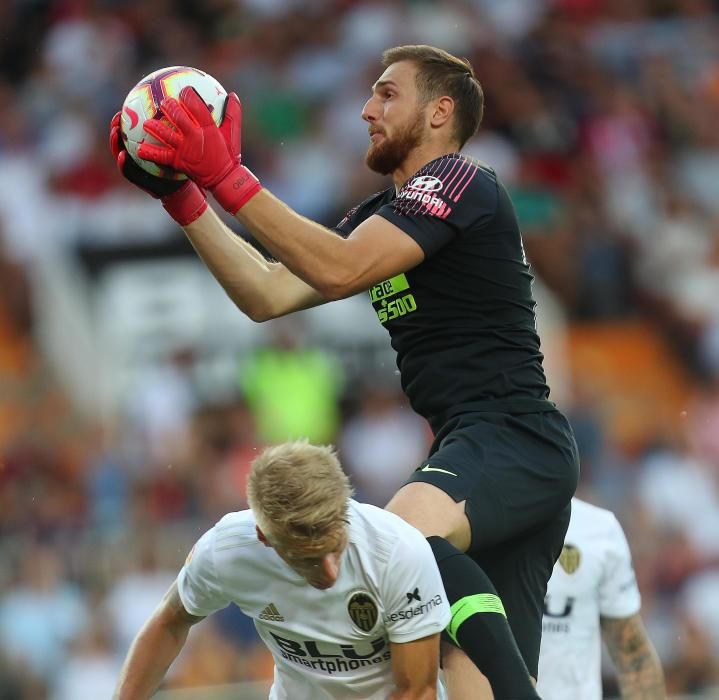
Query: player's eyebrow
x,y
383,83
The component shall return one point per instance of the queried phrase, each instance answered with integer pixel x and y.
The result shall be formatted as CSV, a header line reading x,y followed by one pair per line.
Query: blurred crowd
x,y
601,117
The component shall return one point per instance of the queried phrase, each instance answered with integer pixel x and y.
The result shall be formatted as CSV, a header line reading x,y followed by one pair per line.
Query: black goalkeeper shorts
x,y
517,474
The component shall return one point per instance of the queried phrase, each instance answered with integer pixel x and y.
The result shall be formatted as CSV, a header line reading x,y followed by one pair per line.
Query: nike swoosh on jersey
x,y
428,468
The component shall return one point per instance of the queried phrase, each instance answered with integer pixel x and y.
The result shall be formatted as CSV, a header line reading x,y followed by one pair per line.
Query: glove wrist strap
x,y
236,189
186,205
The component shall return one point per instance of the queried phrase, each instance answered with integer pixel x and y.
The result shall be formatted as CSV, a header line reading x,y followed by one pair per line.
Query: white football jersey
x,y
593,577
327,644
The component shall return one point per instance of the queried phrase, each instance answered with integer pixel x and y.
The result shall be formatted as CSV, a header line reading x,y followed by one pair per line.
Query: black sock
x,y
479,625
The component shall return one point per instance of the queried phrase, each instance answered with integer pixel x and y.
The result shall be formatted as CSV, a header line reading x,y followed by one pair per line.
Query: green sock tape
x,y
471,605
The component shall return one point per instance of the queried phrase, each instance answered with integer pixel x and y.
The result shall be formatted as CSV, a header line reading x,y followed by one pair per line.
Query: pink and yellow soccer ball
x,y
143,103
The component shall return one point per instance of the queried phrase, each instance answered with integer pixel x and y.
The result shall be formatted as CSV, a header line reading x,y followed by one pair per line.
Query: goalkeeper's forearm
x,y
259,288
154,649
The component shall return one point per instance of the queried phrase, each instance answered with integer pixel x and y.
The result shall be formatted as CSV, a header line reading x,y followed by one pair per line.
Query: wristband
x,y
186,205
236,189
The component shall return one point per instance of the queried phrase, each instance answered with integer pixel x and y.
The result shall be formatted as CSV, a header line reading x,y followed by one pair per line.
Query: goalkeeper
x,y
440,254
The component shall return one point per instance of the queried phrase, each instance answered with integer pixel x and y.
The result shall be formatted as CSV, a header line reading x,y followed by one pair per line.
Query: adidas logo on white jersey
x,y
272,614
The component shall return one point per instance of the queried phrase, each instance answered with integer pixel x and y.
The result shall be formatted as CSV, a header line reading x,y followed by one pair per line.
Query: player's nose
x,y
329,570
369,111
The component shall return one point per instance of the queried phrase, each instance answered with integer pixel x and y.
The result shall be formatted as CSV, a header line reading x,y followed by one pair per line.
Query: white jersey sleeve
x,y
415,600
197,582
618,591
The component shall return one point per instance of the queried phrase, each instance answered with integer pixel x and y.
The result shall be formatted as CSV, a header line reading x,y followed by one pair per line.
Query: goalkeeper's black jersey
x,y
462,322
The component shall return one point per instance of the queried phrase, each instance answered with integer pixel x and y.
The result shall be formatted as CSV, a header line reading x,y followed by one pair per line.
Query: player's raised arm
x,y
156,646
211,156
261,289
377,250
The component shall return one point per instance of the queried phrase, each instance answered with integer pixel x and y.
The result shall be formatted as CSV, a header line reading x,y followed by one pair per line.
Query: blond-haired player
x,y
346,596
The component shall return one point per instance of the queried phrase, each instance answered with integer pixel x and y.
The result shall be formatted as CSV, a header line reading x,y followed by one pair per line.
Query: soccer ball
x,y
143,102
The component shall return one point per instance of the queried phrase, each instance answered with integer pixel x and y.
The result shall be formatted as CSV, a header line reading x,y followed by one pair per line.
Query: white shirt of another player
x,y
594,577
327,644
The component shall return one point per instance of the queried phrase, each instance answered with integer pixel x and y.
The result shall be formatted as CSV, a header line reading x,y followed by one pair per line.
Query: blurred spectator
x,y
292,389
382,443
136,592
107,483
676,485
17,682
159,411
701,604
225,443
694,669
41,613
92,667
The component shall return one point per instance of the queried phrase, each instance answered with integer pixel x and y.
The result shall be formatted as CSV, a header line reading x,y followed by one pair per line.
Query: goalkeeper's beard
x,y
389,154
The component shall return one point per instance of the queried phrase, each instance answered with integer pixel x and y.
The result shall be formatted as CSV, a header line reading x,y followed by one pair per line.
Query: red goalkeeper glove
x,y
183,199
195,145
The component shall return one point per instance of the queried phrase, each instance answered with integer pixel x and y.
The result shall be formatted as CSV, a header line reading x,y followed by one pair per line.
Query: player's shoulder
x,y
235,530
448,182
378,532
592,521
451,173
366,207
453,163
230,546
